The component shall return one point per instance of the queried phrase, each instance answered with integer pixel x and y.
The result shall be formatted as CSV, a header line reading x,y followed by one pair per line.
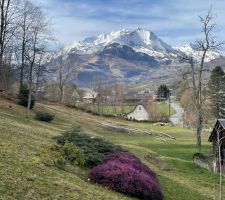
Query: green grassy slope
x,y
24,150
25,154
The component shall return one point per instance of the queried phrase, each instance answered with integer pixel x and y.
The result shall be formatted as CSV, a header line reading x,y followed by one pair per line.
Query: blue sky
x,y
174,21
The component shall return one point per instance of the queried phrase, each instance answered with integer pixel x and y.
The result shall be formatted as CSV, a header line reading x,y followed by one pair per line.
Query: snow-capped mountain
x,y
127,55
140,40
190,50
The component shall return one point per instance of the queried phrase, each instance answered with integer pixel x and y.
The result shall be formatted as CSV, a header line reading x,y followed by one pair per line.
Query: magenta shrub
x,y
125,173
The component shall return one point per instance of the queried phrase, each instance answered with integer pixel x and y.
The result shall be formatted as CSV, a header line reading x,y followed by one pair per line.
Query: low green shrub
x,y
200,156
44,116
60,163
72,154
95,149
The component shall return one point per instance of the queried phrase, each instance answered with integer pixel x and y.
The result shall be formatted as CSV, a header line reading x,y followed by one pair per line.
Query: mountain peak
x,y
127,55
191,50
140,39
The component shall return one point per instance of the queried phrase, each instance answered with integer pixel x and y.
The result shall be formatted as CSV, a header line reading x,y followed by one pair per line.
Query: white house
x,y
87,95
139,113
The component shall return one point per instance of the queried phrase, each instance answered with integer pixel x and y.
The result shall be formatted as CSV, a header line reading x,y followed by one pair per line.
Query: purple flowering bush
x,y
125,173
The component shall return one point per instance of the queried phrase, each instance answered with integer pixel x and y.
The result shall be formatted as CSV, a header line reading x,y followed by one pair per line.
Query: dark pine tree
x,y
217,92
23,97
163,91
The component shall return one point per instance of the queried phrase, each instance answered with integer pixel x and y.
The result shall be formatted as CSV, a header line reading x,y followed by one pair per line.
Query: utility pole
x,y
169,102
220,159
169,106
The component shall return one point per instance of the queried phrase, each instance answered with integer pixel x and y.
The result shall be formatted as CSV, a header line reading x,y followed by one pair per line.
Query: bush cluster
x,y
95,149
160,117
125,173
44,116
72,154
68,153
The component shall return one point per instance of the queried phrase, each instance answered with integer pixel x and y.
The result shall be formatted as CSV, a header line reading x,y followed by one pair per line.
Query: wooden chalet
x,y
217,137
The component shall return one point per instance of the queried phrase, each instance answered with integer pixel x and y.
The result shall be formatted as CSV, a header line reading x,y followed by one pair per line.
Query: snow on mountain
x,y
140,40
127,55
190,50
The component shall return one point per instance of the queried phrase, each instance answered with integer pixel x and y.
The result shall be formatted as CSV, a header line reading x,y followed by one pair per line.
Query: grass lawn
x,y
25,156
108,109
164,108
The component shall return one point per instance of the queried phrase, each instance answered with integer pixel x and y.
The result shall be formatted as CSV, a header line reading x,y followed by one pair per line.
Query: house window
x,y
139,108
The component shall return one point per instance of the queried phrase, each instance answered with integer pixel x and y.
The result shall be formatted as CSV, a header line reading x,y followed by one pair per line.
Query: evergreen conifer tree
x,y
23,97
163,92
217,92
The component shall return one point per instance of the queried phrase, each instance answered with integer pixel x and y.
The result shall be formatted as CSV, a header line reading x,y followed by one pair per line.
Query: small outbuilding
x,y
139,113
217,137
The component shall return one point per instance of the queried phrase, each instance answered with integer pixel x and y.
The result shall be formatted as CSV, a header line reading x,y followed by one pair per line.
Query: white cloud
x,y
175,21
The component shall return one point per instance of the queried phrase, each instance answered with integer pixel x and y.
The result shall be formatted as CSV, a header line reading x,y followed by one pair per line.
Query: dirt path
x,y
177,118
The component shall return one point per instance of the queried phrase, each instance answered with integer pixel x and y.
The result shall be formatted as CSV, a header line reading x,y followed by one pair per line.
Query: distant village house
x,y
87,95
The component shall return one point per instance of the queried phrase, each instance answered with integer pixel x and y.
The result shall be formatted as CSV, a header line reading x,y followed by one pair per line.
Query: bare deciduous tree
x,y
64,74
41,71
37,38
8,14
26,20
207,43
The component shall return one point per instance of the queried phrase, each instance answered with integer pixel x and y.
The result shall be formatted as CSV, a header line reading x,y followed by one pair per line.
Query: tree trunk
x,y
31,71
4,9
98,107
37,82
1,42
199,127
220,164
61,95
22,62
30,91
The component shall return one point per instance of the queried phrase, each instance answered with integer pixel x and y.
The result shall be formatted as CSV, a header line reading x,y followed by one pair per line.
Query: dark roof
x,y
212,135
140,103
143,103
214,132
222,122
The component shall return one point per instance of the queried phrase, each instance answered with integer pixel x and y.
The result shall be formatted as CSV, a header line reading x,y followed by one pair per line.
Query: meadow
x,y
27,172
